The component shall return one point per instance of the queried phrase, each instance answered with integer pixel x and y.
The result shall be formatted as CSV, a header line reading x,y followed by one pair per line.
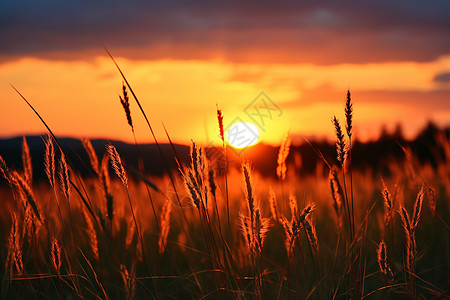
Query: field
x,y
212,231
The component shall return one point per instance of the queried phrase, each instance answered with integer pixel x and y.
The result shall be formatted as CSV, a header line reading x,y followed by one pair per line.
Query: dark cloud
x,y
442,78
324,32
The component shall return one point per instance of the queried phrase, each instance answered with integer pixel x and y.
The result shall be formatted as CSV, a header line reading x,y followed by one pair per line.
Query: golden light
x,y
242,134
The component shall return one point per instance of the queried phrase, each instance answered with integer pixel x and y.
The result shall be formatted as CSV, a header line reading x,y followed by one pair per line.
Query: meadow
x,y
213,231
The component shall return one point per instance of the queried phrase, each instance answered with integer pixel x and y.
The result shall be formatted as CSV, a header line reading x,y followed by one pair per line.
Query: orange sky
x,y
81,98
300,61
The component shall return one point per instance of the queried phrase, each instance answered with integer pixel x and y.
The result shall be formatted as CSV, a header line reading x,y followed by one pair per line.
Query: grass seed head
x,y
49,160
64,178
93,159
348,114
126,105
55,255
385,270
220,120
26,161
282,156
340,143
117,165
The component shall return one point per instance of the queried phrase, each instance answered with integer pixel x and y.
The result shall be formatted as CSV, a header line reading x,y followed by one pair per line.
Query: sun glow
x,y
242,135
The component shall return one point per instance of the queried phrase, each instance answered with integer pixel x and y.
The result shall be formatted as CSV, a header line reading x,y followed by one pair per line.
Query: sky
x,y
284,66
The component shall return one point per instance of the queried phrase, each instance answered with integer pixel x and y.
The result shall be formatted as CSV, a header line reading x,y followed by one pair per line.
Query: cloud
x,y
442,78
427,101
329,32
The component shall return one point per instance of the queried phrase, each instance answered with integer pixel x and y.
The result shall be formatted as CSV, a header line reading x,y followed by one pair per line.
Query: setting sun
x,y
242,135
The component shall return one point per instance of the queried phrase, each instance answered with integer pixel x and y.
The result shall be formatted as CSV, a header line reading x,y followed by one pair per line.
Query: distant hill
x,y
374,155
11,151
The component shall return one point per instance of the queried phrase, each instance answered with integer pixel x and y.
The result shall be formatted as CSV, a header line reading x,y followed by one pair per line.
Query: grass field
x,y
203,234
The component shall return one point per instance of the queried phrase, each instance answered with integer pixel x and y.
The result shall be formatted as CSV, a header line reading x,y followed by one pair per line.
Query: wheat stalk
x,y
220,121
246,172
165,225
348,115
273,204
191,187
15,245
337,195
311,234
93,159
431,197
222,136
417,208
130,233
64,178
5,171
340,143
129,281
293,205
49,160
92,234
55,255
117,165
212,183
282,156
26,161
30,225
26,194
385,269
105,181
196,177
126,105
388,203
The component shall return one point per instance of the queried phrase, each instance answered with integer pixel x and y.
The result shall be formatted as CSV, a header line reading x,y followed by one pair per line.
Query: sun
x,y
242,134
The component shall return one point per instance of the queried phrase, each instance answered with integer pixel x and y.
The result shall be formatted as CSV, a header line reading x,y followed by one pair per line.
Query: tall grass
x,y
99,237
